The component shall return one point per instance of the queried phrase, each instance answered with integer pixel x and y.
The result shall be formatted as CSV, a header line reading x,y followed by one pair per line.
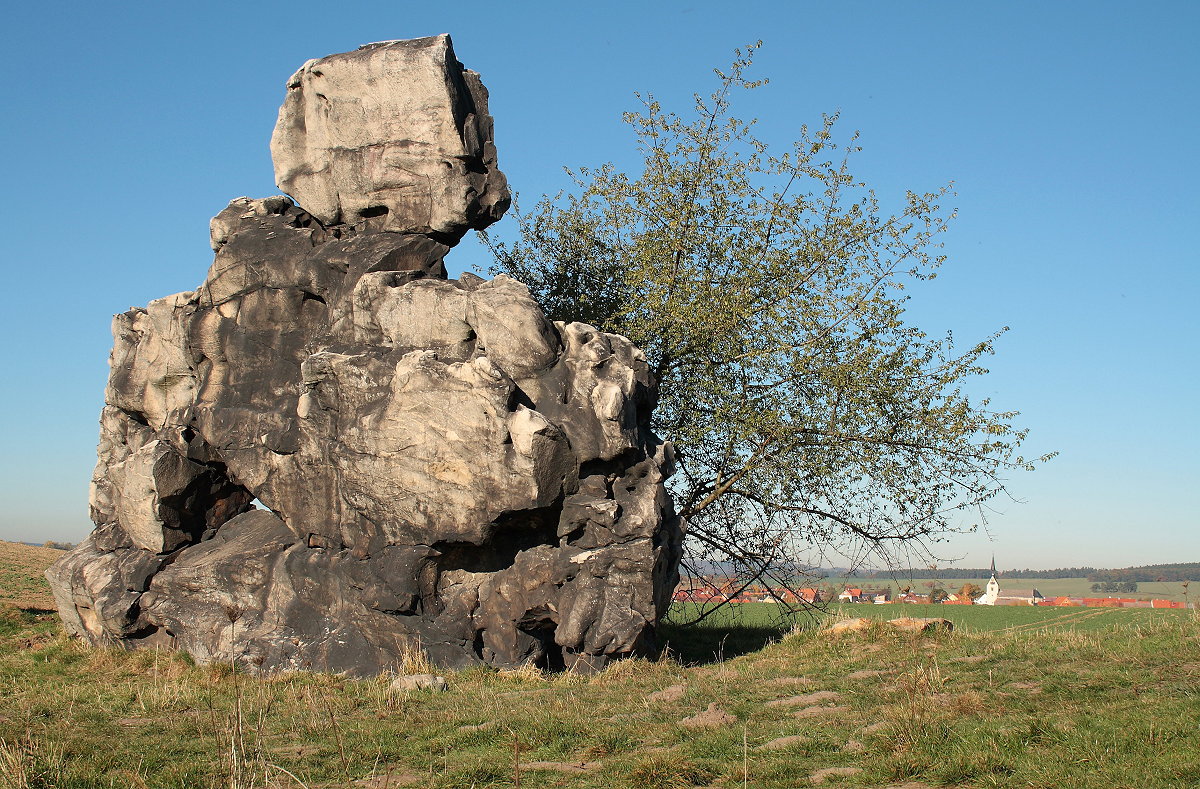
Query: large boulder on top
x,y
329,454
396,134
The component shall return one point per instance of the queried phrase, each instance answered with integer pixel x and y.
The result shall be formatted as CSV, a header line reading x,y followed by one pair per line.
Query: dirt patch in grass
x,y
867,673
821,712
572,768
783,742
397,779
668,694
710,718
1032,687
823,775
807,698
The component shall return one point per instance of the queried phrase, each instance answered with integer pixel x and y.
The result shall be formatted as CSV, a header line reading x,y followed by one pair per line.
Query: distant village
x,y
723,589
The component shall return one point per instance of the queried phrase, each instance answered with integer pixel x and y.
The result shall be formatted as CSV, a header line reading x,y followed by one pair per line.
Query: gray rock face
x,y
441,465
396,134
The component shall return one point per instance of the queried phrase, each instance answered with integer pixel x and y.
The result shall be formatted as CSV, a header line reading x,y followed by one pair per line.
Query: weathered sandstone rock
x,y
441,466
909,624
395,134
856,625
413,682
905,624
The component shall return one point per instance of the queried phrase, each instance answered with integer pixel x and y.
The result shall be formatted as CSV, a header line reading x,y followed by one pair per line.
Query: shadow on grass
x,y
16,618
700,633
36,611
695,644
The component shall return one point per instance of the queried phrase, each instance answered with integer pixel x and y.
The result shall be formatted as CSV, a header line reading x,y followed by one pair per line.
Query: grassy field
x,y
1012,698
21,581
735,631
1050,587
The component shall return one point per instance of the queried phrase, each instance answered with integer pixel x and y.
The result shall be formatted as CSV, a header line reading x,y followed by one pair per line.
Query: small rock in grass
x,y
910,624
410,682
849,626
712,717
821,776
671,693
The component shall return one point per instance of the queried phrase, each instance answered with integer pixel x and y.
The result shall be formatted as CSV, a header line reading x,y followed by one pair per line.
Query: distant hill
x,y
975,573
1152,572
1188,571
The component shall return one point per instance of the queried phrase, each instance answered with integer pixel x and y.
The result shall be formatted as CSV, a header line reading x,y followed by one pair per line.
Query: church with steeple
x,y
992,595
993,589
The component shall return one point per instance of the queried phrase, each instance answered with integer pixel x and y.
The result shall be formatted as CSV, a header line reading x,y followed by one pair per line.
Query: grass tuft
x,y
667,771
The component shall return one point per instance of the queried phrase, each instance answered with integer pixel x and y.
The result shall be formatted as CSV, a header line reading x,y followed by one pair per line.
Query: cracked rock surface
x,y
436,465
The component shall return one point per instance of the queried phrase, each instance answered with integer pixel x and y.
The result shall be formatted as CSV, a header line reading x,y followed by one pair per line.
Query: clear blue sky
x,y
1070,130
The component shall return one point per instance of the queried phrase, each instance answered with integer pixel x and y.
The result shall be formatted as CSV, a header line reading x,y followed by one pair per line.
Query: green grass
x,y
746,627
1051,707
1014,697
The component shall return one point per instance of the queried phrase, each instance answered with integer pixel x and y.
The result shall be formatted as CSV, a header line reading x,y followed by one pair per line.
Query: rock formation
x,y
442,468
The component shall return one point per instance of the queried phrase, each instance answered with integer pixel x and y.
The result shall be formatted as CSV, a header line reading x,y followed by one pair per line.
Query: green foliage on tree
x,y
1115,586
768,294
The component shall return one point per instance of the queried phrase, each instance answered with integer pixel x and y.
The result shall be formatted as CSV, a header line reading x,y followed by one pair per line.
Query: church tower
x,y
993,588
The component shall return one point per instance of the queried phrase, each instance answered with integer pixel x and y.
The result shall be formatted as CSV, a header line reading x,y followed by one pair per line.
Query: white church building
x,y
992,596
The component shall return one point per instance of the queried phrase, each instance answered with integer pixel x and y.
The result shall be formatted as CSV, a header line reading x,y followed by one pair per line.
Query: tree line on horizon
x,y
1143,574
1148,573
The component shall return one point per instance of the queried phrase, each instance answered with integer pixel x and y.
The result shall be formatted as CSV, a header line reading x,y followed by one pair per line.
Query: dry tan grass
x,y
22,582
415,660
30,762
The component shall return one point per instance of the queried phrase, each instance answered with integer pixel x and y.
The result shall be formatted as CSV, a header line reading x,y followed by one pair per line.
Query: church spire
x,y
993,587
